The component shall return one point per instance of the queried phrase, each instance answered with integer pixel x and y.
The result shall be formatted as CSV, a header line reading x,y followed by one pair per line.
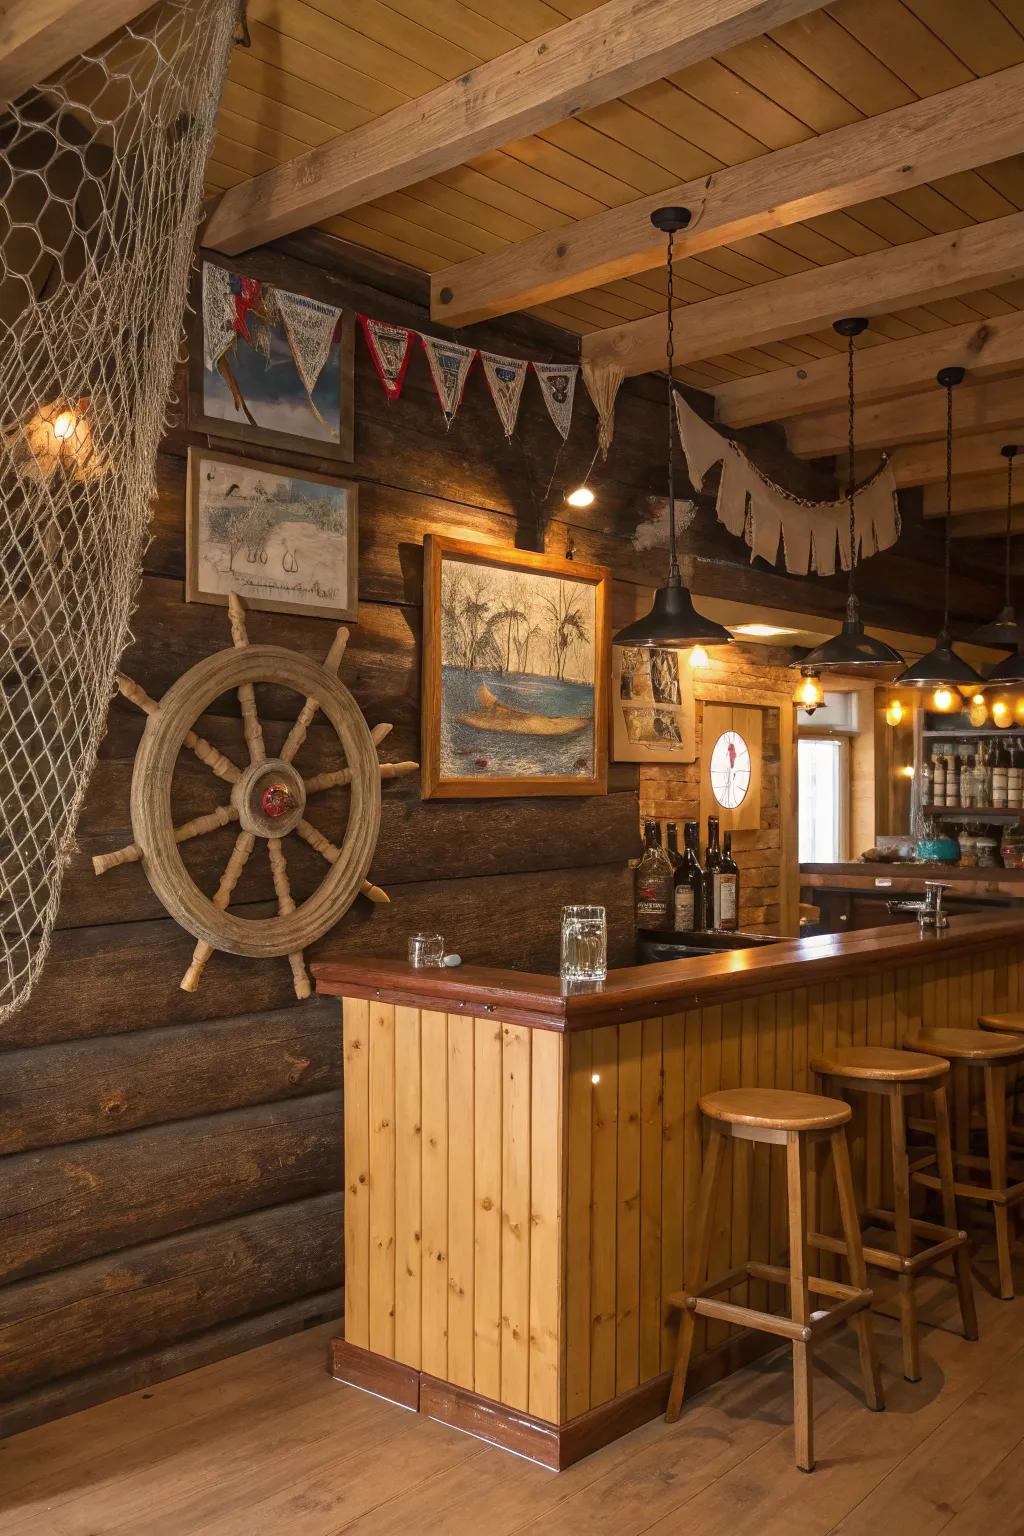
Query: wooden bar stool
x,y
792,1120
980,1050
1009,1024
899,1076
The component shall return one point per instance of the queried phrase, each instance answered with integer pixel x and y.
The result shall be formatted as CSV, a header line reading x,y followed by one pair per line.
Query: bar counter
x,y
522,1164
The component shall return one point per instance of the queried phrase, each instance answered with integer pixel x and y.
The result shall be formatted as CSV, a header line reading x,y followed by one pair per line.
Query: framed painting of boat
x,y
516,670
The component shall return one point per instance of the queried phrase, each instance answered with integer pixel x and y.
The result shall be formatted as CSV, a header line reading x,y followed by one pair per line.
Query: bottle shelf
x,y
970,732
970,813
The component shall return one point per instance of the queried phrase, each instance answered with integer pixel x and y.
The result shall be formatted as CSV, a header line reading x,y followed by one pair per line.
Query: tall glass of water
x,y
584,944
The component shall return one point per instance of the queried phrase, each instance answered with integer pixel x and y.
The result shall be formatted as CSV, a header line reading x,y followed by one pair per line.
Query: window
x,y
823,777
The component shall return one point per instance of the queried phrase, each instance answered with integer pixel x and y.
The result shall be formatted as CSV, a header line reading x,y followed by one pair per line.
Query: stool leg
x,y
800,1299
696,1271
858,1270
962,1258
904,1236
995,1125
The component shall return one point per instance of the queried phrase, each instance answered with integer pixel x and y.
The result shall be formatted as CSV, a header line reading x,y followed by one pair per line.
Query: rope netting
x,y
101,180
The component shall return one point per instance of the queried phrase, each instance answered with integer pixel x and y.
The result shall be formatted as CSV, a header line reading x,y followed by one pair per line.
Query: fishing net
x,y
101,178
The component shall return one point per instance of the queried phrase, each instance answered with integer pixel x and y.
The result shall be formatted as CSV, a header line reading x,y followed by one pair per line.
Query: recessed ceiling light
x,y
761,631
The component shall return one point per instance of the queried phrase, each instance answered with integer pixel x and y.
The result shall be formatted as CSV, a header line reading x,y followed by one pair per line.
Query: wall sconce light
x,y
699,657
894,712
809,694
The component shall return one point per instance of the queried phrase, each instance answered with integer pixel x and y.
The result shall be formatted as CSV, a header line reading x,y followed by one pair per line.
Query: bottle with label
x,y
690,883
966,780
652,882
728,889
675,858
952,776
938,777
1001,778
981,782
1015,777
712,874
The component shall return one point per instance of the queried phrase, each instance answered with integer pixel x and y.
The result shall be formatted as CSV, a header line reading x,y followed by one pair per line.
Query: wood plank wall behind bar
x,y
172,1164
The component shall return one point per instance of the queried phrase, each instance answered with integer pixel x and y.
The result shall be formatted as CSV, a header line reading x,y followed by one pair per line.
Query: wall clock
x,y
730,770
730,777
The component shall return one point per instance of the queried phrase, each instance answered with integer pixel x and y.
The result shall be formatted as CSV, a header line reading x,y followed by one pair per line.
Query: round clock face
x,y
730,769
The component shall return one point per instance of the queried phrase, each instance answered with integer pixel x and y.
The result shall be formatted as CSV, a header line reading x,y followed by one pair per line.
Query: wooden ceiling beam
x,y
942,135
38,37
974,493
925,463
985,525
912,418
620,46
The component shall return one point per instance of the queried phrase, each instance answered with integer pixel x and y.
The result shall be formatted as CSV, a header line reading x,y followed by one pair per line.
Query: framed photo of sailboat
x,y
516,673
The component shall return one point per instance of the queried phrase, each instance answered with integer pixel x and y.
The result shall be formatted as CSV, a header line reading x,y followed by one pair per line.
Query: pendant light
x,y
673,622
941,668
852,649
1005,630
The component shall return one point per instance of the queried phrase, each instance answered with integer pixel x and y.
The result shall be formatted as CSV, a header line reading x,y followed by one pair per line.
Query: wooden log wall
x,y
172,1163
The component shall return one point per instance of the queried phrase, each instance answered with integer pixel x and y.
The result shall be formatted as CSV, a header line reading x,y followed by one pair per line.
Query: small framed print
x,y
653,714
284,539
730,784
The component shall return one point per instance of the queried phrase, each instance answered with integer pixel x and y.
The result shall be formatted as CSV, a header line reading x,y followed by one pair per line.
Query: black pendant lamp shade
x,y
853,649
673,622
1005,630
1009,673
941,667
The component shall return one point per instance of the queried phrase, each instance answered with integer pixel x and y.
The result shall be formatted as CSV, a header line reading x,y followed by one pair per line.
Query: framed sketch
x,y
515,673
730,782
652,706
270,366
284,539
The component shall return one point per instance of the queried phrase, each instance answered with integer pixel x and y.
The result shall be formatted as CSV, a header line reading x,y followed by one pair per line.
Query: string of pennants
x,y
450,363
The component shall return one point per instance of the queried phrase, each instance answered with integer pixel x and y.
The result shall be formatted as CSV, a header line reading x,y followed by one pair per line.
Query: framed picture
x,y
653,713
284,539
730,781
270,366
515,673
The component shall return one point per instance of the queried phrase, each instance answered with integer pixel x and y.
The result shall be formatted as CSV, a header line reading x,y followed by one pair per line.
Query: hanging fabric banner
x,y
753,507
218,314
558,386
505,379
309,325
389,348
449,368
603,381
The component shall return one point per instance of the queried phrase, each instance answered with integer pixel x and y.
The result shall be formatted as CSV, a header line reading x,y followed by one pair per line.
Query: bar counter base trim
x,y
555,1446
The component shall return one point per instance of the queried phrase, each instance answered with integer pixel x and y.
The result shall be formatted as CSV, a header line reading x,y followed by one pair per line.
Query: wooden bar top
x,y
995,884
672,986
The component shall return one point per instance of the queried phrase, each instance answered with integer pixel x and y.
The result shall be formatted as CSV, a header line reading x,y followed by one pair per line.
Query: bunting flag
x,y
505,379
389,347
218,314
449,368
558,386
309,326
603,381
754,508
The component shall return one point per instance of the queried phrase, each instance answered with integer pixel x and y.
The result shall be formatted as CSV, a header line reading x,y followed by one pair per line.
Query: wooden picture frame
x,y
513,696
653,709
203,418
748,722
230,475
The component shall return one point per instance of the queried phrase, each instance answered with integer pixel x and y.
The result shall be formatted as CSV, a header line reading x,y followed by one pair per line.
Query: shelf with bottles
x,y
981,815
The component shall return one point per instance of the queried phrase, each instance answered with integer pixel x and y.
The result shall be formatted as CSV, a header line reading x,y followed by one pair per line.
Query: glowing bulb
x,y
907,771
893,712
699,657
582,496
1018,710
595,1077
64,426
809,693
945,700
977,710
1002,714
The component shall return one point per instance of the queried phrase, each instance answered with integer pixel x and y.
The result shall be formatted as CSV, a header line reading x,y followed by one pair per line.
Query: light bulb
x,y
977,710
1002,714
595,1078
907,771
809,693
945,700
699,657
893,712
582,496
1018,710
64,426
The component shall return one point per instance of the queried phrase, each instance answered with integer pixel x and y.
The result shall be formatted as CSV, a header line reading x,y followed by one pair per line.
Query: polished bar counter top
x,y
637,992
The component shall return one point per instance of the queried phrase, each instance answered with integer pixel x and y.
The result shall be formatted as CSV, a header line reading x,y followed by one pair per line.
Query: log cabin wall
x,y
172,1163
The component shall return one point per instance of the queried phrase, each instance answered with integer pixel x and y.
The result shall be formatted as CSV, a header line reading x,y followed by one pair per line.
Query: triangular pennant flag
x,y
603,381
218,314
558,386
389,348
449,368
505,379
309,326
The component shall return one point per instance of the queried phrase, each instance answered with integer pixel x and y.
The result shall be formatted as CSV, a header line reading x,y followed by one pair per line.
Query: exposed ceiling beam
x,y
925,463
38,37
911,418
935,268
981,347
975,493
620,46
985,525
939,136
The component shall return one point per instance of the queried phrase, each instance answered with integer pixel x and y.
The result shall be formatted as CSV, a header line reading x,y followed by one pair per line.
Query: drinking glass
x,y
425,950
584,944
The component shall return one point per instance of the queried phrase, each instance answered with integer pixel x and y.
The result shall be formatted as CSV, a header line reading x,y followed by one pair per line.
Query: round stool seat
x,y
1009,1023
775,1109
878,1064
977,1045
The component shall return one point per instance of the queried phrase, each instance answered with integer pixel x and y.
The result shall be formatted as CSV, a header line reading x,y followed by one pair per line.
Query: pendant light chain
x,y
1009,520
949,500
673,570
850,489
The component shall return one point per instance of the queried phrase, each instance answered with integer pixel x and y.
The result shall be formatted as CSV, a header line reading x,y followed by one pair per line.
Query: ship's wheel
x,y
267,800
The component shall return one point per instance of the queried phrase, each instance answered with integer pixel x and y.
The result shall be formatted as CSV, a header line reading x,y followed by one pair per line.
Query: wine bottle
x,y
981,784
712,872
1015,777
967,780
675,858
652,882
729,889
690,883
1001,778
938,777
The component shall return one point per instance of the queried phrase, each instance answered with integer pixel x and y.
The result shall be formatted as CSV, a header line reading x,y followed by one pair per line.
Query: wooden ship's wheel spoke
x,y
297,734
245,842
285,904
246,691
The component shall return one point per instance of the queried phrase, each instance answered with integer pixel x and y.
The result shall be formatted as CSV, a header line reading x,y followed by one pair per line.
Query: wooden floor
x,y
265,1444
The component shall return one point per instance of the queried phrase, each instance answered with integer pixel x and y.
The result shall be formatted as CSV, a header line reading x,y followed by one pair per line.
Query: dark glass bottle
x,y
729,889
690,883
712,871
653,887
675,858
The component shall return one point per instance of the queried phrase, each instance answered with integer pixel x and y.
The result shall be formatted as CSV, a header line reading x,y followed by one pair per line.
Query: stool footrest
x,y
948,1241
1011,1196
706,1303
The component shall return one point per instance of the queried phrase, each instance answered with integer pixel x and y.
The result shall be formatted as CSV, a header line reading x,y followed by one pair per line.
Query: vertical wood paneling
x,y
356,1043
461,1202
739,1065
651,1155
694,1026
627,1211
515,1212
578,1226
761,1020
382,1178
487,1122
434,1098
673,1174
711,1078
545,1223
603,1185
408,1177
